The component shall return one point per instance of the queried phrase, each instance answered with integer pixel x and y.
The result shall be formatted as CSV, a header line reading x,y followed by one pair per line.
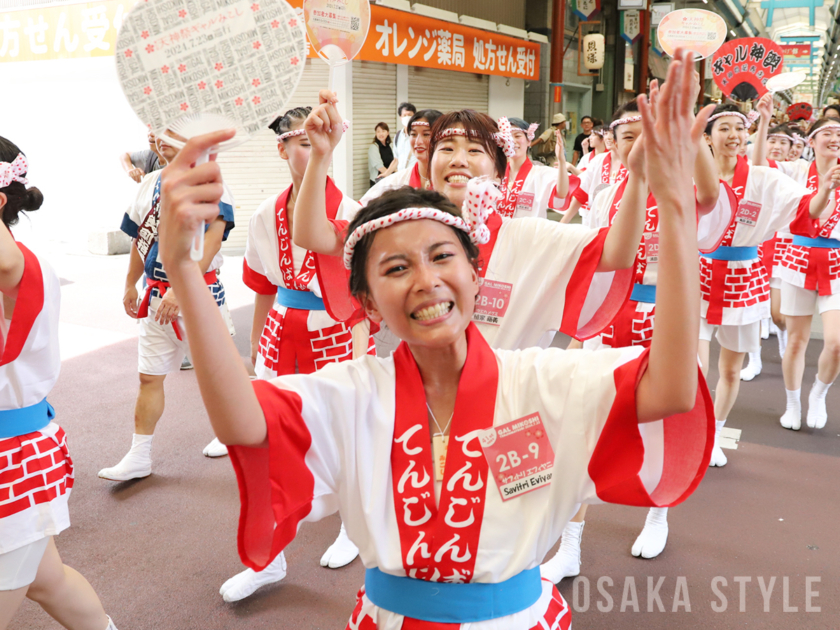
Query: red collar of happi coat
x,y
507,206
301,280
28,304
651,225
739,179
606,171
440,544
414,180
494,224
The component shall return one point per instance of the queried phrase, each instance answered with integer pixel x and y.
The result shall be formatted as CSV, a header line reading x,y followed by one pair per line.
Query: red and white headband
x,y
746,119
345,125
532,130
798,139
823,128
503,137
783,136
481,200
624,121
13,171
420,123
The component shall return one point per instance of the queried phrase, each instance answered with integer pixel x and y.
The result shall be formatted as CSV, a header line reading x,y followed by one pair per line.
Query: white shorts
x,y
775,283
159,350
799,302
743,338
19,567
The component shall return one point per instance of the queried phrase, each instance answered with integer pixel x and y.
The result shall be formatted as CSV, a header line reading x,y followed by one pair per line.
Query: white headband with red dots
x,y
13,171
345,125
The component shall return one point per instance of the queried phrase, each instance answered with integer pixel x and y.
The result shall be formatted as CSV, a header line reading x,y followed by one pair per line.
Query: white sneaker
x,y
244,584
341,553
566,562
651,542
215,449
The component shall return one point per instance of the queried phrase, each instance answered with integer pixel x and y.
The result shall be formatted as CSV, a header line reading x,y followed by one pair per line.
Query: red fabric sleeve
x,y
574,186
276,488
580,194
578,289
803,224
619,454
257,282
335,284
28,304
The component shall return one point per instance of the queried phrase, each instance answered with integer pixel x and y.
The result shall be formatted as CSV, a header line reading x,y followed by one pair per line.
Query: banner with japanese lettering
x,y
90,30
586,9
796,51
61,32
741,67
631,29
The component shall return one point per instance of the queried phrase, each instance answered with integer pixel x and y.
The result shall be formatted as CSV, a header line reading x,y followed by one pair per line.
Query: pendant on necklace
x,y
439,446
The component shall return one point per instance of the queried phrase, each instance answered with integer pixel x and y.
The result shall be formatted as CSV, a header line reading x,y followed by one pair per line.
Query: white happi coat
x,y
799,171
263,272
36,472
405,177
551,268
737,292
594,179
531,195
338,439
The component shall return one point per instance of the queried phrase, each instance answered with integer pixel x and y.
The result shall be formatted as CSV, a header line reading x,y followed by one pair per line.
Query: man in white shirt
x,y
402,147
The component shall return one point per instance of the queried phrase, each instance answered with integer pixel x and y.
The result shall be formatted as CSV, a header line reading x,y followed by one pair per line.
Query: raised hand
x,y
324,124
190,197
559,147
672,134
765,106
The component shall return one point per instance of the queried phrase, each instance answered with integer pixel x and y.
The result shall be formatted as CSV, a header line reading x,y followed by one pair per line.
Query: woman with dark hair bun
x,y
36,510
293,329
453,464
417,176
735,287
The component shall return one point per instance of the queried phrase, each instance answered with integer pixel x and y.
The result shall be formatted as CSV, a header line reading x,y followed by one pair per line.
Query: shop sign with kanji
x,y
585,9
631,29
741,67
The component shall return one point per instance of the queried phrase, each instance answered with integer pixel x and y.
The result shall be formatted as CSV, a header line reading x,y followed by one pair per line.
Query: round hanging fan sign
x,y
337,29
701,32
742,67
785,81
210,61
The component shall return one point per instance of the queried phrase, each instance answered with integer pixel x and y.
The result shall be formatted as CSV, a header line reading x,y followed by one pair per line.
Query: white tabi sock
x,y
566,562
136,464
215,449
651,542
753,368
110,625
792,418
341,553
244,584
817,414
718,458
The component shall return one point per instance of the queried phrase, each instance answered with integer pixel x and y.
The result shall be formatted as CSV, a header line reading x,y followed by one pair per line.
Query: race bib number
x,y
519,455
652,247
525,202
748,213
492,302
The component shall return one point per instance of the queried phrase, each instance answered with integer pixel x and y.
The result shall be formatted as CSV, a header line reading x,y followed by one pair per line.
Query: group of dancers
x,y
419,320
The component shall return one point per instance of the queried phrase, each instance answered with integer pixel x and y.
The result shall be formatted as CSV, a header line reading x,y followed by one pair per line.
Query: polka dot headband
x,y
782,136
345,125
823,128
746,119
481,200
503,138
13,171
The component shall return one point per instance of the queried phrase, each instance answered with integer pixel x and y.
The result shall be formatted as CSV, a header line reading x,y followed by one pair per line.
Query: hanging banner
x,y
701,32
629,71
741,67
800,111
631,29
90,30
796,51
586,9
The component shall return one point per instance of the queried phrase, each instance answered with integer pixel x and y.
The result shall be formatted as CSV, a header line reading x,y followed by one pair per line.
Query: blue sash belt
x,y
733,253
15,422
820,241
300,300
441,602
644,293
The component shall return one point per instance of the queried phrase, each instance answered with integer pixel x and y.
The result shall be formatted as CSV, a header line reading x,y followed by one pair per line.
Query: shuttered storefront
x,y
429,88
254,171
374,101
